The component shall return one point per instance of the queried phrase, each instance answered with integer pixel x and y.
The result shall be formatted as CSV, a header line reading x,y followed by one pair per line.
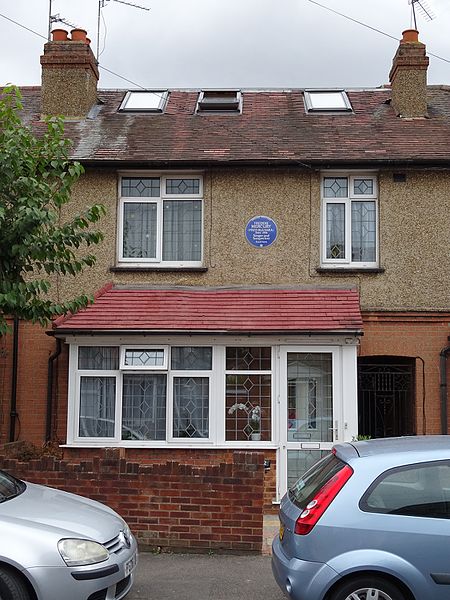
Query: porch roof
x,y
137,310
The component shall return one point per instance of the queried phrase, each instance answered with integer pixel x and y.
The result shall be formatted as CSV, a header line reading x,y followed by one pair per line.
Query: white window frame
x,y
124,367
347,201
270,372
170,406
157,261
158,107
309,96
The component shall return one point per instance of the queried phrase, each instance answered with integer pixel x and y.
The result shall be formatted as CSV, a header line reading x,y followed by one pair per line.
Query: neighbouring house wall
x,y
212,503
419,336
414,221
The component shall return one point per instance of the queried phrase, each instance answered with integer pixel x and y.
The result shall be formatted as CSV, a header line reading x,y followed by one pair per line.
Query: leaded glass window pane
x,y
335,231
300,461
97,406
363,232
144,357
335,187
182,230
183,186
248,407
100,358
362,187
139,229
191,407
248,359
141,187
144,407
310,397
191,358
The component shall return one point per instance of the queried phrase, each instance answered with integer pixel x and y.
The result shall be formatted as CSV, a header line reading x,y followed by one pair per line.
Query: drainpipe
x,y
50,376
443,388
14,375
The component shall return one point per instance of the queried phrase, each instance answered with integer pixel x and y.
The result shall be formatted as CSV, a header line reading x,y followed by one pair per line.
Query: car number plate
x,y
281,531
130,565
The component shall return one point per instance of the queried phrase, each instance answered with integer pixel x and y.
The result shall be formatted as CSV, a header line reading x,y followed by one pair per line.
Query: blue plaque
x,y
261,231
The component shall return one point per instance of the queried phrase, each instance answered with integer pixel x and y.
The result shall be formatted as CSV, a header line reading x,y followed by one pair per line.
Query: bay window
x,y
171,394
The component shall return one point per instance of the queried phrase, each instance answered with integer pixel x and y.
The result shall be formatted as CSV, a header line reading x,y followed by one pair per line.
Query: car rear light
x,y
321,501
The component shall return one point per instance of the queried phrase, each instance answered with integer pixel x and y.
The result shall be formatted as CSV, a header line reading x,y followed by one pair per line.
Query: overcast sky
x,y
228,43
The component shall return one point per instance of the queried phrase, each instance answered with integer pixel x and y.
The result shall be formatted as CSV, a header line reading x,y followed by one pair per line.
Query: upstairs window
x,y
154,101
219,102
327,101
349,221
161,220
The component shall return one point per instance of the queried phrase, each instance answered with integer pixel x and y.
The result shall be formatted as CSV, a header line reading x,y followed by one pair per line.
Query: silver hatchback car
x,y
370,521
55,545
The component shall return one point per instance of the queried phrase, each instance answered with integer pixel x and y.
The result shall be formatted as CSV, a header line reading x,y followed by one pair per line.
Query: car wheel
x,y
11,587
367,588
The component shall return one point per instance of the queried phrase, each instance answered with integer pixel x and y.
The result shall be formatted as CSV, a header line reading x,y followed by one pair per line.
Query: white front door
x,y
312,410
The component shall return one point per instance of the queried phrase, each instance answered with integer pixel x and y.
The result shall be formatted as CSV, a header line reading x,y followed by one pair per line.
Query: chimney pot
x,y
59,35
79,35
410,35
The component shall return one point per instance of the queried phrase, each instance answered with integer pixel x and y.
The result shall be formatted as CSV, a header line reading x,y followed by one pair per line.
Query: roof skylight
x,y
154,101
327,101
220,101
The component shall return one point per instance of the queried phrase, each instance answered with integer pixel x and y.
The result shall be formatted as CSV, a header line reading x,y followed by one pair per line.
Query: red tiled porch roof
x,y
217,310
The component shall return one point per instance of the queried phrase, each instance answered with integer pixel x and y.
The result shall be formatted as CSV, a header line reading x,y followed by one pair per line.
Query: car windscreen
x,y
10,486
306,488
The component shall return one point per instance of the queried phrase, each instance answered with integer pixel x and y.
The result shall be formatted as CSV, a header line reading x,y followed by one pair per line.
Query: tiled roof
x,y
220,310
273,127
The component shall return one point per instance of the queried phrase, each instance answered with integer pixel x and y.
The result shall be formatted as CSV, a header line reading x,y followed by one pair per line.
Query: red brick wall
x,y
168,504
416,335
34,350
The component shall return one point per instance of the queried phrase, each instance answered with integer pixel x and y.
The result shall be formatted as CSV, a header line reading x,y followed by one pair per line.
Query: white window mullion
x,y
119,405
218,394
348,232
159,232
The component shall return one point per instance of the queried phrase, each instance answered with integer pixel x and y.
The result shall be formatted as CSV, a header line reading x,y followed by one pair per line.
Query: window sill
x,y
153,269
349,270
175,445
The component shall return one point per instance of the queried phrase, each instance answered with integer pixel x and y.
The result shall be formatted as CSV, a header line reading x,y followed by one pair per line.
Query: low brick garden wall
x,y
169,505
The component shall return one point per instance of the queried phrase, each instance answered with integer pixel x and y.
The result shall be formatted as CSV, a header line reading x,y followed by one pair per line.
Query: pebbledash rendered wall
x,y
405,309
204,501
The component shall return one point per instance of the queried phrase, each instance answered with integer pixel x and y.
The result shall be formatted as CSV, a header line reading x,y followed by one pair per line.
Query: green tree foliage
x,y
36,178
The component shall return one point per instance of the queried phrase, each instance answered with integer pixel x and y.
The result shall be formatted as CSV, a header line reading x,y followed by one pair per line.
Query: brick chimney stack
x,y
408,77
69,75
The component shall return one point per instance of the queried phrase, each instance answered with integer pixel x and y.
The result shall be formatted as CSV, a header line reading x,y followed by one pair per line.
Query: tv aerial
x,y
423,8
56,19
101,5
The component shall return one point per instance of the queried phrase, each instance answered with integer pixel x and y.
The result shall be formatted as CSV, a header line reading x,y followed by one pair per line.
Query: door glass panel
x,y
310,398
299,461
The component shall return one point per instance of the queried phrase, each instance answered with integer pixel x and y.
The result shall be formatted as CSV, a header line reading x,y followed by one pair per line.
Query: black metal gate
x,y
386,404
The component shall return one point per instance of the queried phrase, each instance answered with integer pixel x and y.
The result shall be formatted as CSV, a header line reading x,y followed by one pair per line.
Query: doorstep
x,y
271,526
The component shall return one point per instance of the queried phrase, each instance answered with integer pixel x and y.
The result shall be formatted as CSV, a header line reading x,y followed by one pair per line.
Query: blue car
x,y
370,521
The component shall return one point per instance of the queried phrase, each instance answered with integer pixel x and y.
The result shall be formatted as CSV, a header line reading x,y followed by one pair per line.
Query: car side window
x,y
414,490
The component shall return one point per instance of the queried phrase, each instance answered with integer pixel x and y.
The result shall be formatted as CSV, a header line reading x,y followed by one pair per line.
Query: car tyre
x,y
12,587
367,588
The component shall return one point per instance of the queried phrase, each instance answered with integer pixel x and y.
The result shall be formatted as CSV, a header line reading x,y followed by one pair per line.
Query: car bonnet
x,y
67,514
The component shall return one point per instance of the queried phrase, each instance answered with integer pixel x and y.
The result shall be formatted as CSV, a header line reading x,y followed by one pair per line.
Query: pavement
x,y
204,577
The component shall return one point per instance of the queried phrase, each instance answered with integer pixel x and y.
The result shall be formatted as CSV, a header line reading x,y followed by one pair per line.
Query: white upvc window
x,y
160,220
183,394
349,220
145,393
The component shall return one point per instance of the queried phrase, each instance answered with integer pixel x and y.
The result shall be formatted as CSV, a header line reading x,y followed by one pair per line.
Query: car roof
x,y
395,445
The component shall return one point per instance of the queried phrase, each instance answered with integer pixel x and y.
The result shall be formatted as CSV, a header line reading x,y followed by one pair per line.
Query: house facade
x,y
274,278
